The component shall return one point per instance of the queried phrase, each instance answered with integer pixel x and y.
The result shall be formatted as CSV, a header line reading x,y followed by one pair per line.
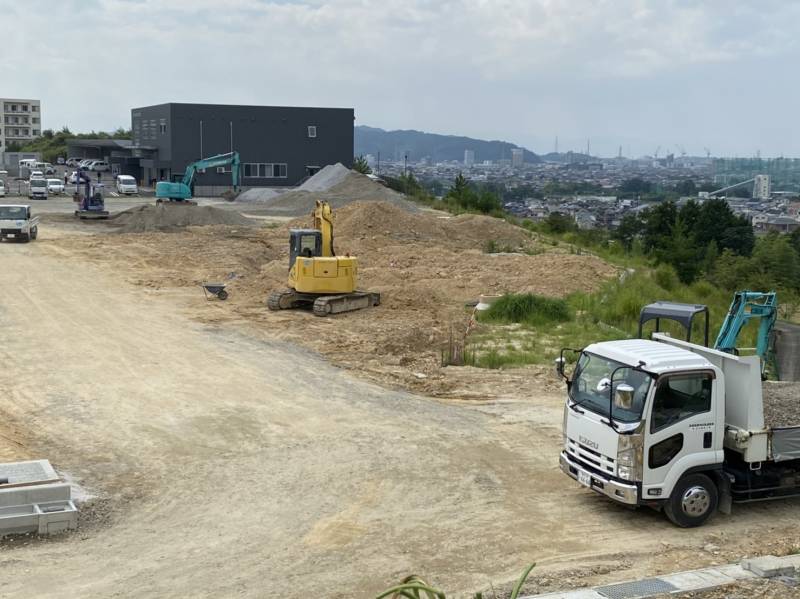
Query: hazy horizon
x,y
637,74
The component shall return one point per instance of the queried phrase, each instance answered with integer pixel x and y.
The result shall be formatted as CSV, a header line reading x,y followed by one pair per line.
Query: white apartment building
x,y
21,121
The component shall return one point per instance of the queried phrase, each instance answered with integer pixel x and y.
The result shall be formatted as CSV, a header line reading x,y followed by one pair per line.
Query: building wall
x,y
263,135
20,121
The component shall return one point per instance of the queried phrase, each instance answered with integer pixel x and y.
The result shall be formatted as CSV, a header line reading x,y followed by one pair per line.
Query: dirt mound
x,y
166,217
387,223
353,187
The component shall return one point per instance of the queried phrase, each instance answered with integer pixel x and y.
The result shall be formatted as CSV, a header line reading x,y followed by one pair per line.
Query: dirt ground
x,y
427,267
228,456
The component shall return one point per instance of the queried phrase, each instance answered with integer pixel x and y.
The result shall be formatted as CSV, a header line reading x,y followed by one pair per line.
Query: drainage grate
x,y
639,588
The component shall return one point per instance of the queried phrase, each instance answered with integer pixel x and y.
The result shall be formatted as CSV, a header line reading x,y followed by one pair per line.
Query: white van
x,y
127,185
99,166
37,188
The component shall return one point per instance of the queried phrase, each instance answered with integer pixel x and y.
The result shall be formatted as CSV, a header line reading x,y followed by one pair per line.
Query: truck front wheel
x,y
693,500
34,232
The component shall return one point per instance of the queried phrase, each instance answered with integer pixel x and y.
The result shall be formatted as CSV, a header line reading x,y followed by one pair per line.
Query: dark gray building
x,y
278,146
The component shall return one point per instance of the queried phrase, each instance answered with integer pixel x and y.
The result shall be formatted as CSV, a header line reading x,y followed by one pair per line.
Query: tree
x,y
679,251
636,185
360,165
559,223
630,227
658,223
686,187
460,186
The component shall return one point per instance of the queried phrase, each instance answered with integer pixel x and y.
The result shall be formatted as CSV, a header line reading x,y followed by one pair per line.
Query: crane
x,y
182,191
745,306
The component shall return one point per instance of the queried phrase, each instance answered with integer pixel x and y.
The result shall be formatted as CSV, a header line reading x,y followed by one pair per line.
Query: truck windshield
x,y
590,387
13,213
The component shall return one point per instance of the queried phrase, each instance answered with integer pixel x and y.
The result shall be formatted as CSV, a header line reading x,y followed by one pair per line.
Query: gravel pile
x,y
781,403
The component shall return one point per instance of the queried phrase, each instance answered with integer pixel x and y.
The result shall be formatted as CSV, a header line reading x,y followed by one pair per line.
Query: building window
x,y
312,130
34,108
36,132
24,108
268,170
13,108
163,128
35,120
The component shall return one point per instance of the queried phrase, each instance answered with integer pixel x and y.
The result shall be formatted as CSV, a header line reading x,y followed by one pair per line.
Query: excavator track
x,y
346,302
283,299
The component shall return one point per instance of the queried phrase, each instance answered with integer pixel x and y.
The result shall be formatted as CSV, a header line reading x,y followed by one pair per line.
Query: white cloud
x,y
518,69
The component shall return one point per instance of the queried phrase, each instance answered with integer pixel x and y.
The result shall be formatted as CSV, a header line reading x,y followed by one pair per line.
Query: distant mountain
x,y
392,145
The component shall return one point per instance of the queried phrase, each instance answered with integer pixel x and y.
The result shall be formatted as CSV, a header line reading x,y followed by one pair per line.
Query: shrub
x,y
527,308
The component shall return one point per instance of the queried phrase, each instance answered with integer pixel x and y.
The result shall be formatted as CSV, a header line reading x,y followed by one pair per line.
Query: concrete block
x,y
768,566
57,516
34,494
698,580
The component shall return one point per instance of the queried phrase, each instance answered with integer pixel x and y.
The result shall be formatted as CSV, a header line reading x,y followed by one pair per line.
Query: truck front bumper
x,y
619,492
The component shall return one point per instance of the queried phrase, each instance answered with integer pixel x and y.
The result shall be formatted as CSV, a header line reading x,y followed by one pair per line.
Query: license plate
x,y
11,235
585,479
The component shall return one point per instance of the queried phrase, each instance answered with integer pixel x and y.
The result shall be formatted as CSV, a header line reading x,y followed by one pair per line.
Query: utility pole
x,y
556,150
405,164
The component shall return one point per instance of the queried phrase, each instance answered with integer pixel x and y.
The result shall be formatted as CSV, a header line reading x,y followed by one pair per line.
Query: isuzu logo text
x,y
588,442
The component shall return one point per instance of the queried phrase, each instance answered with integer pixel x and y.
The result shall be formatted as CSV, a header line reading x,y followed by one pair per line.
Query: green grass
x,y
528,309
527,329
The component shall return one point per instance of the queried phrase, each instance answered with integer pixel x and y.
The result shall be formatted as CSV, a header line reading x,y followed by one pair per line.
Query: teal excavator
x,y
182,191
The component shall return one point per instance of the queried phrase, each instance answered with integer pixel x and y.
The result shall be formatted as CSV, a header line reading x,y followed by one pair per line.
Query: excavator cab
x,y
306,243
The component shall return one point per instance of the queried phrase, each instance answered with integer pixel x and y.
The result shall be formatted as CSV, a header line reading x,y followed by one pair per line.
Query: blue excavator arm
x,y
745,306
183,190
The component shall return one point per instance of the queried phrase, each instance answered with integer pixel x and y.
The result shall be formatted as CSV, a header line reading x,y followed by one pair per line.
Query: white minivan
x,y
127,185
99,166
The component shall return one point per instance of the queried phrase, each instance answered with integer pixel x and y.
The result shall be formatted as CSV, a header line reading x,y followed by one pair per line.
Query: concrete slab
x,y
34,499
691,580
769,566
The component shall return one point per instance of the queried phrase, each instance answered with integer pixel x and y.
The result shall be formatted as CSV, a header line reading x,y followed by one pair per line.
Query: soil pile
x,y
172,217
386,223
331,175
353,187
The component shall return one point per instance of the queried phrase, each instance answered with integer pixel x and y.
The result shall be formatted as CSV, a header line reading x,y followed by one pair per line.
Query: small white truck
x,y
677,426
16,222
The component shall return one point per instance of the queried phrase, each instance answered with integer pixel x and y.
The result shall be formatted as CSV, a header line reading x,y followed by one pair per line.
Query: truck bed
x,y
781,404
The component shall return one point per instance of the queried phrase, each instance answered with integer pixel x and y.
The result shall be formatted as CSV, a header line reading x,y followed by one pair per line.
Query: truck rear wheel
x,y
693,501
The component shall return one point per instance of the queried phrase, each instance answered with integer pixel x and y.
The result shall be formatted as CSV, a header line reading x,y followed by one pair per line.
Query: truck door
x,y
680,430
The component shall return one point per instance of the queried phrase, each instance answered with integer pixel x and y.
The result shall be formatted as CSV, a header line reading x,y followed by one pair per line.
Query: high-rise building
x,y
761,187
517,157
469,157
21,121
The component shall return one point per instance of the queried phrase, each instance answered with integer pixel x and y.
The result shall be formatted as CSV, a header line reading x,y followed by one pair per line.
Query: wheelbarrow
x,y
215,290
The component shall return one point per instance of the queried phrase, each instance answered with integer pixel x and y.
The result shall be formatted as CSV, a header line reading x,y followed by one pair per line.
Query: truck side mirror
x,y
559,362
623,398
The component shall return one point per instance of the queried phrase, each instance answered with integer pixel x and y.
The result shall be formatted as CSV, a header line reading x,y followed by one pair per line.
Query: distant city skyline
x,y
632,73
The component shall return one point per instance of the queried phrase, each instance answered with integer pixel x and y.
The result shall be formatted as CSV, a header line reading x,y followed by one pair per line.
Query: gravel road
x,y
226,465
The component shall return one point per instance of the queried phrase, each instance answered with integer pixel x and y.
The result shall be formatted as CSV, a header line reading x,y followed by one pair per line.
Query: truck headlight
x,y
629,456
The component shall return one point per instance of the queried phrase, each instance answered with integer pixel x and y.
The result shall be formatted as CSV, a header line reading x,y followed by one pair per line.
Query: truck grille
x,y
590,457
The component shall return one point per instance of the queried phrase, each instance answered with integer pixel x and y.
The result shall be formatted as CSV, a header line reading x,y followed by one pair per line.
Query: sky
x,y
682,75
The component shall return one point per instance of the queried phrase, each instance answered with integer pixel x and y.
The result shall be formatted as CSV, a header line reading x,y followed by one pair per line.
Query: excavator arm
x,y
745,306
323,221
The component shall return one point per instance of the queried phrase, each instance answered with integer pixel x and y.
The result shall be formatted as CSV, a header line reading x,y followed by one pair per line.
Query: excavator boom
x,y
182,190
745,306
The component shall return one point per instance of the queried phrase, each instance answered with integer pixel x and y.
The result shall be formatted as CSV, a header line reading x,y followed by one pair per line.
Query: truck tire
x,y
24,237
34,233
693,501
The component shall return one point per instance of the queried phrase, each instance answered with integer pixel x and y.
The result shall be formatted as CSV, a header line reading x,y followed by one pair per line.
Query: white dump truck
x,y
16,222
677,426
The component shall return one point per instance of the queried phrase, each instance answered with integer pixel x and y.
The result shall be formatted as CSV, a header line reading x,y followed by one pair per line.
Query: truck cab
x,y
18,223
675,426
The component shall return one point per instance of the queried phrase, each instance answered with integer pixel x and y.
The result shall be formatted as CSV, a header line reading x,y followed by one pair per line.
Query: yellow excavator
x,y
317,276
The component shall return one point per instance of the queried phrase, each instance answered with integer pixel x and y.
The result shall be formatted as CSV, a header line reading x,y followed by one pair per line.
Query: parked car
x,y
55,186
99,166
37,188
73,178
36,175
60,160
73,161
85,164
127,185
